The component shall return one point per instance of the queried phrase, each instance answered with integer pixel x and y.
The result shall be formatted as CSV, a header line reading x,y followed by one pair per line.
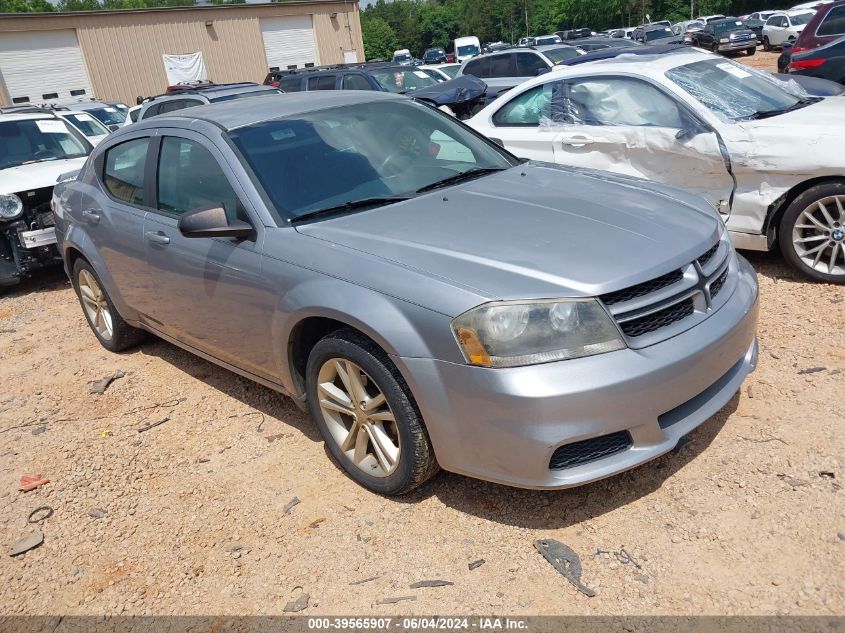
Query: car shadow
x,y
772,265
271,404
548,510
48,279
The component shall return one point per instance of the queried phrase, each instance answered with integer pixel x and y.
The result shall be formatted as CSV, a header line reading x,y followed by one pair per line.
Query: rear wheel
x,y
766,44
108,326
812,233
366,414
751,51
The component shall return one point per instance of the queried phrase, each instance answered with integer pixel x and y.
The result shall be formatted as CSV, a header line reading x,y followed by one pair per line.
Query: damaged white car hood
x,y
37,175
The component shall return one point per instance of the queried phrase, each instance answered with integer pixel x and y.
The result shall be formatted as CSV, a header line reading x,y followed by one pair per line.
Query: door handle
x,y
578,140
92,216
157,237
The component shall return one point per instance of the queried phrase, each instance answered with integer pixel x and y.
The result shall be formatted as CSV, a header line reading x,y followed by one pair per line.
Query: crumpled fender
x,y
456,91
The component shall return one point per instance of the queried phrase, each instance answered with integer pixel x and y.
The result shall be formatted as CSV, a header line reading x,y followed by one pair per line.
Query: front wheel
x,y
366,414
767,46
812,233
751,51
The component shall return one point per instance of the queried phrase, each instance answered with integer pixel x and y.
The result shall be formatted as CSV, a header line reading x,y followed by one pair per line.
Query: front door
x,y
629,126
210,291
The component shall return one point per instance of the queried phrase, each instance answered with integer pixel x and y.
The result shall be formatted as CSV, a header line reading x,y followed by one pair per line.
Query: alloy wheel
x,y
358,417
818,235
95,305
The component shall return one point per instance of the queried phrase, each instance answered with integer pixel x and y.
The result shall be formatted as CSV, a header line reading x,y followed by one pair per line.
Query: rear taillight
x,y
798,49
805,63
275,84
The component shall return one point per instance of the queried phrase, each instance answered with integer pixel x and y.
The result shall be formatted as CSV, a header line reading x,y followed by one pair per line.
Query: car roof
x,y
654,27
654,61
25,116
232,114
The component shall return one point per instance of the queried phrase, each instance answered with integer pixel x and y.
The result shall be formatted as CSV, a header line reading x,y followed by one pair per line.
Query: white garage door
x,y
289,41
40,66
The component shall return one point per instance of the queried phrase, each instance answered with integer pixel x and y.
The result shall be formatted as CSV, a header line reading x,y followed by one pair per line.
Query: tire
x,y
823,254
751,51
403,425
122,335
766,45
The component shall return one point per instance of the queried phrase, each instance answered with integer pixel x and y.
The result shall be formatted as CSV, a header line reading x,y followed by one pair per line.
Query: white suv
x,y
785,27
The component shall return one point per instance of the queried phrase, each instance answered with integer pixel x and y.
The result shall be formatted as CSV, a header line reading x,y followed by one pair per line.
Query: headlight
x,y
10,206
724,40
512,333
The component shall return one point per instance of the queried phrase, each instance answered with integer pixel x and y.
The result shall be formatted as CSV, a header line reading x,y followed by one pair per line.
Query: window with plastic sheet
x,y
123,173
530,107
620,101
190,179
833,23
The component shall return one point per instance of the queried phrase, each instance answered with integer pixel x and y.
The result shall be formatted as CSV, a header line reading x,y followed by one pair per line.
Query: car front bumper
x,y
738,46
504,425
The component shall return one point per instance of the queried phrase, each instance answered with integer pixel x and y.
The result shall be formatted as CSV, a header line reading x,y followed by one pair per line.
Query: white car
x,y
764,154
441,72
785,27
85,123
35,149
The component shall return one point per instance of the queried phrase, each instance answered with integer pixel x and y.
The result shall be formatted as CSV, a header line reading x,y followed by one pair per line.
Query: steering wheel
x,y
410,144
42,153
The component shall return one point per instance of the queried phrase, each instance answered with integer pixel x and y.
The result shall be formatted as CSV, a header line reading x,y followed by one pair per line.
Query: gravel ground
x,y
746,518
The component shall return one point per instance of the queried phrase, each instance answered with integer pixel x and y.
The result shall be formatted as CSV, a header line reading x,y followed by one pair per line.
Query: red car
x,y
450,58
825,26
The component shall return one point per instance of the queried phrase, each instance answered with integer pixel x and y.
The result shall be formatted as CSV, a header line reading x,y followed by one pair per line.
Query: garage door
x,y
289,41
40,66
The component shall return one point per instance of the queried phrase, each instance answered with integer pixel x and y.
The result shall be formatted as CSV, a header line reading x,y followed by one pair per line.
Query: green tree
x,y
25,6
379,39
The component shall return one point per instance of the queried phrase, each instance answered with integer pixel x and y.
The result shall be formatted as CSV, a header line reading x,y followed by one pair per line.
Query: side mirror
x,y
541,71
212,223
114,128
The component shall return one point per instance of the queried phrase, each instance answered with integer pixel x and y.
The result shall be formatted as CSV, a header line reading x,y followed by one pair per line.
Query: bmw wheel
x,y
812,233
108,326
366,414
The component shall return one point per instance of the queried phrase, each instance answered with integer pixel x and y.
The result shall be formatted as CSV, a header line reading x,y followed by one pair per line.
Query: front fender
x,y
400,328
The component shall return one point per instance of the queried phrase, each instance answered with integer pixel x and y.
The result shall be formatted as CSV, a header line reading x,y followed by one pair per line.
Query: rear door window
x,y
291,84
325,82
356,82
833,23
503,66
123,172
528,64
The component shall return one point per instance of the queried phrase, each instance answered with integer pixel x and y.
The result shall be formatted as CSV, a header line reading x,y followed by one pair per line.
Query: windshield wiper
x,y
349,206
765,114
469,174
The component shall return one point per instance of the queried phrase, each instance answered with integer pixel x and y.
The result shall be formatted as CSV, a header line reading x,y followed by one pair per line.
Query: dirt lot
x,y
746,518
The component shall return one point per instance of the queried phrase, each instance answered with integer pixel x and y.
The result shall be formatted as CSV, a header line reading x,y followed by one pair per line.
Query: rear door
x,y
114,219
630,126
210,291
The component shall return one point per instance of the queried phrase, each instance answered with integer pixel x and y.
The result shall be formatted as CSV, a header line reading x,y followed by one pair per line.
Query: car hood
x,y
534,231
453,92
36,175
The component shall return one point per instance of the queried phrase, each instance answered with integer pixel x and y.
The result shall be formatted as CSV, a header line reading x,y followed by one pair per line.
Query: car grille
x,y
647,287
659,319
708,255
646,308
587,451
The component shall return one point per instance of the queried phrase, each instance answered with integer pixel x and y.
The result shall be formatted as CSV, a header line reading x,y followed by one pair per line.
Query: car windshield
x,y
402,80
87,124
107,115
724,27
801,18
557,55
469,49
401,58
248,93
657,34
733,91
37,140
547,40
365,152
452,71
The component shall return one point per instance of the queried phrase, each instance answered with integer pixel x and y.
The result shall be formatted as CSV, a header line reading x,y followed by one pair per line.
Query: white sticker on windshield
x,y
734,70
109,109
420,73
84,117
51,126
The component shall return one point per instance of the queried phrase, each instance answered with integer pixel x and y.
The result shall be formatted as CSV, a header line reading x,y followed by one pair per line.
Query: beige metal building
x,y
118,55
